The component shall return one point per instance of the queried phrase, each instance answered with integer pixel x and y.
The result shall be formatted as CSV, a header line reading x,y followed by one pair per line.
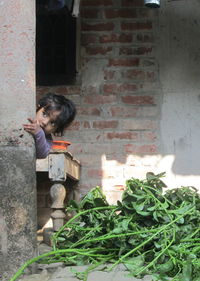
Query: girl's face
x,y
46,120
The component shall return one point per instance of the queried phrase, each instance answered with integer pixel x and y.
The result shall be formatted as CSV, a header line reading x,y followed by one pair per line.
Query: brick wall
x,y
115,134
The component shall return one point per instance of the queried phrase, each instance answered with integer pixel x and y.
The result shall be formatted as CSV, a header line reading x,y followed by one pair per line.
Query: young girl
x,y
54,114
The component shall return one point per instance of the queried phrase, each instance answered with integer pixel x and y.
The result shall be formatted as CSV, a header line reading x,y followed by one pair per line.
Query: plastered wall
x,y
18,207
179,61
138,101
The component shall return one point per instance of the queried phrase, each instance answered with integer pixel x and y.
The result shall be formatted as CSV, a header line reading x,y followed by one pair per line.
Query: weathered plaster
x,y
17,153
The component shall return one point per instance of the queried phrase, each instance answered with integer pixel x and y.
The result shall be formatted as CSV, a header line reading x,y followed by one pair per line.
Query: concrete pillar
x,y
17,151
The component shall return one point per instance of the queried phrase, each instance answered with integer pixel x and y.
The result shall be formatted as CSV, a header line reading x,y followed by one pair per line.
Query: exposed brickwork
x,y
132,3
136,25
98,26
138,100
120,13
116,38
97,3
118,100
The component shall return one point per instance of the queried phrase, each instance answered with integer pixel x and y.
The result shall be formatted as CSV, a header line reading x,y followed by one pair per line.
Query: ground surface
x,y
65,274
59,272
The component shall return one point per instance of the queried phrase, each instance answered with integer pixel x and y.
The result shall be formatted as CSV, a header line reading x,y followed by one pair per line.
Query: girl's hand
x,y
33,128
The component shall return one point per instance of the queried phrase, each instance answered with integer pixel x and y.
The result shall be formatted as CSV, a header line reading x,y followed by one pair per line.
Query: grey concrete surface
x,y
66,274
59,272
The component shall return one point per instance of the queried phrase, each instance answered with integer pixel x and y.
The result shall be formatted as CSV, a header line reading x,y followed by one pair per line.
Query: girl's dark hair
x,y
67,109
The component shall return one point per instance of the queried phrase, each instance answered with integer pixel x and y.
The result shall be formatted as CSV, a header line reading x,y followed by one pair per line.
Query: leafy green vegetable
x,y
150,231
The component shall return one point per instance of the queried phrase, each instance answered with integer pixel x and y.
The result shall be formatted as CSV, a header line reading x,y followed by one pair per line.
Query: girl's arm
x,y
43,144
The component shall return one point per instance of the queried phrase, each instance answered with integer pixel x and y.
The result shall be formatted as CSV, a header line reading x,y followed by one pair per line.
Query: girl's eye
x,y
45,114
53,124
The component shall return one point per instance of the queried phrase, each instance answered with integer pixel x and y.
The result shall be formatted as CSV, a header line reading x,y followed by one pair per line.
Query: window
x,y
56,55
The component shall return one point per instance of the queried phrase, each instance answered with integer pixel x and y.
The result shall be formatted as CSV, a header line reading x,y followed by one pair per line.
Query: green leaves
x,y
150,231
132,264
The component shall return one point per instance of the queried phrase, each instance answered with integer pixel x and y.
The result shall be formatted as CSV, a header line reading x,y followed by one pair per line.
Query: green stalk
x,y
189,240
105,237
92,267
158,192
35,259
146,241
55,236
160,254
160,203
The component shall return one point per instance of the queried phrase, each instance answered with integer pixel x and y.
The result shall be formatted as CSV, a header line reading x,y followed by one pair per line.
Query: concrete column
x,y
17,151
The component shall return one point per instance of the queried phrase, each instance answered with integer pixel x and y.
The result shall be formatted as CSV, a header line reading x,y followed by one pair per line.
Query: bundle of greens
x,y
149,231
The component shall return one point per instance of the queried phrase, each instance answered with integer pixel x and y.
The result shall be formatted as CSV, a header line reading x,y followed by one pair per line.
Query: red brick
x,y
120,13
109,74
147,149
137,74
92,111
83,135
105,124
119,111
98,50
68,90
95,173
97,3
138,100
136,25
143,149
105,26
42,91
123,135
121,88
148,136
134,3
100,99
74,126
86,125
134,74
135,51
89,14
116,38
124,62
87,39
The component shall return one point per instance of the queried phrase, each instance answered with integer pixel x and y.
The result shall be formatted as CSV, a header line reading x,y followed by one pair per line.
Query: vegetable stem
x,y
146,241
